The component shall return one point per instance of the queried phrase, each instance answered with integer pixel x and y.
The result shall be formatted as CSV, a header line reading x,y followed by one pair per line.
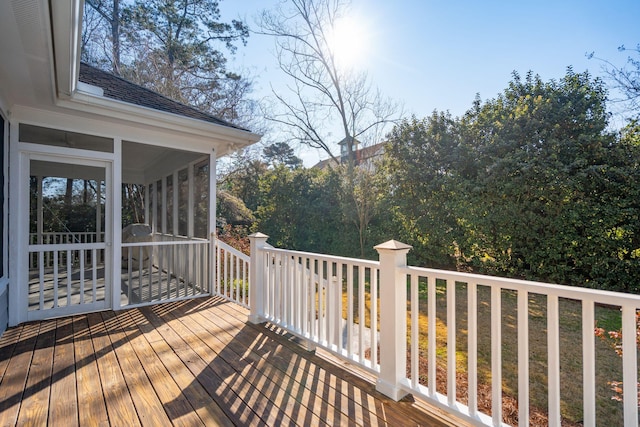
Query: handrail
x,y
233,250
562,291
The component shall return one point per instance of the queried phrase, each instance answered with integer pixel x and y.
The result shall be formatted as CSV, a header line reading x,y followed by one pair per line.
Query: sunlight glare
x,y
349,42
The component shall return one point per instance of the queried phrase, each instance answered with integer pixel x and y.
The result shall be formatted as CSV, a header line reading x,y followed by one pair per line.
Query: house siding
x,y
4,310
4,288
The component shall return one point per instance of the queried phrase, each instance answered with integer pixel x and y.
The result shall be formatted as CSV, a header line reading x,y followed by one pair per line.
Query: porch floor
x,y
193,362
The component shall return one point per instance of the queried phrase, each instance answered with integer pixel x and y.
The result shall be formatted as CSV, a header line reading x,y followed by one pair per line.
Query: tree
x,y
321,92
299,209
323,95
529,184
110,12
423,194
173,48
281,153
181,39
627,78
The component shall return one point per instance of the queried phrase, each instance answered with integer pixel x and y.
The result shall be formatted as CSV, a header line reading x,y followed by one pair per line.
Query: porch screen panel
x,y
167,257
66,236
201,208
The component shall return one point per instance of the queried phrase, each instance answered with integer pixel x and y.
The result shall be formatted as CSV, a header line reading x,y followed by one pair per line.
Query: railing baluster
x,y
218,265
374,317
129,274
321,317
451,341
350,310
69,276
81,254
523,358
160,268
41,281
472,346
305,299
496,355
55,279
588,363
431,313
553,339
94,274
415,325
361,317
237,283
630,365
340,320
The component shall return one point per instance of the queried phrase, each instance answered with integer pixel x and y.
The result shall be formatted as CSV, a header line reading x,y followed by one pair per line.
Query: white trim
x,y
114,248
19,226
23,154
4,279
230,139
161,134
65,28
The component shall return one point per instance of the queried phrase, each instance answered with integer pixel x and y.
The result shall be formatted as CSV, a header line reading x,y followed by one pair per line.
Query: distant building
x,y
363,156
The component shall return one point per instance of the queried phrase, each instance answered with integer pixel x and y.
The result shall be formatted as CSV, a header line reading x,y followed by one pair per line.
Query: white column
x,y
212,219
256,277
393,318
113,223
18,229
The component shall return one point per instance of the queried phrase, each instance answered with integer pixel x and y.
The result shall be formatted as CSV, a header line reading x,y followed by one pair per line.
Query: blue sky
x,y
439,54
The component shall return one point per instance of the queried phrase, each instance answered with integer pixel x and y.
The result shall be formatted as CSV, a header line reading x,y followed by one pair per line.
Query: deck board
x,y
38,386
63,406
15,378
91,404
193,362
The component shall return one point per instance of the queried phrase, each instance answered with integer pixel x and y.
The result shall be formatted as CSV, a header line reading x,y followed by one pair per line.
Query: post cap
x,y
258,235
393,245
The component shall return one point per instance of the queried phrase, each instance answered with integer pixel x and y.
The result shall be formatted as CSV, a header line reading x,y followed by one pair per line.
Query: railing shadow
x,y
261,375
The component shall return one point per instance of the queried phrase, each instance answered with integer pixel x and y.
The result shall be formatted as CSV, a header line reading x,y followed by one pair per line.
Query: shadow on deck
x,y
194,362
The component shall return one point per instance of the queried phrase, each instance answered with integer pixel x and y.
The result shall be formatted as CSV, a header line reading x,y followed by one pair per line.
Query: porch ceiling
x,y
142,163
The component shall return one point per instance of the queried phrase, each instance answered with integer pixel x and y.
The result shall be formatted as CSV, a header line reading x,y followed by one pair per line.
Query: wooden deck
x,y
195,362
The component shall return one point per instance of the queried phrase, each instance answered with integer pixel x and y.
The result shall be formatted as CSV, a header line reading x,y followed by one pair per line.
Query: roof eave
x,y
230,139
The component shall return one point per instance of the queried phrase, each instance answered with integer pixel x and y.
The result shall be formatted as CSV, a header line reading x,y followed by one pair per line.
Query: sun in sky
x,y
349,41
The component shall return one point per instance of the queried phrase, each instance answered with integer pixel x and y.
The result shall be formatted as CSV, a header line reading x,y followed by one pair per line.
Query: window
x,y
60,138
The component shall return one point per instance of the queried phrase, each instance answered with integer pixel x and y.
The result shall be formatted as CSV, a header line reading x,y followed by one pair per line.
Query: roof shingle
x,y
115,87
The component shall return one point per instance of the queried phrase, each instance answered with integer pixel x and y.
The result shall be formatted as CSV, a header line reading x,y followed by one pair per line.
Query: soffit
x,y
25,69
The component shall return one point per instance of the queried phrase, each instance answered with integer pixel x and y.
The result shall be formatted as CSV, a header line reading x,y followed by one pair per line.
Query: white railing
x,y
232,273
330,301
65,274
58,238
165,269
323,299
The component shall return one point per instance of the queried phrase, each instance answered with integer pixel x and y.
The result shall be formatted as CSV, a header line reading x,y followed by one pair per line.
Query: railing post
x,y
256,277
393,318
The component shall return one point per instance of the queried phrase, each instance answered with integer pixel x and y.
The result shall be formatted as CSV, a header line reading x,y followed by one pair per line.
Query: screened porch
x,y
96,243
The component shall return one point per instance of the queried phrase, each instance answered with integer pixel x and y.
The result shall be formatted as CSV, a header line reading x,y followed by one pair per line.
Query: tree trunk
x,y
115,37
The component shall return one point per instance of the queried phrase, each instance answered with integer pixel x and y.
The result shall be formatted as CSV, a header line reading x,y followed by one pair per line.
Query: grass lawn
x,y
608,363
